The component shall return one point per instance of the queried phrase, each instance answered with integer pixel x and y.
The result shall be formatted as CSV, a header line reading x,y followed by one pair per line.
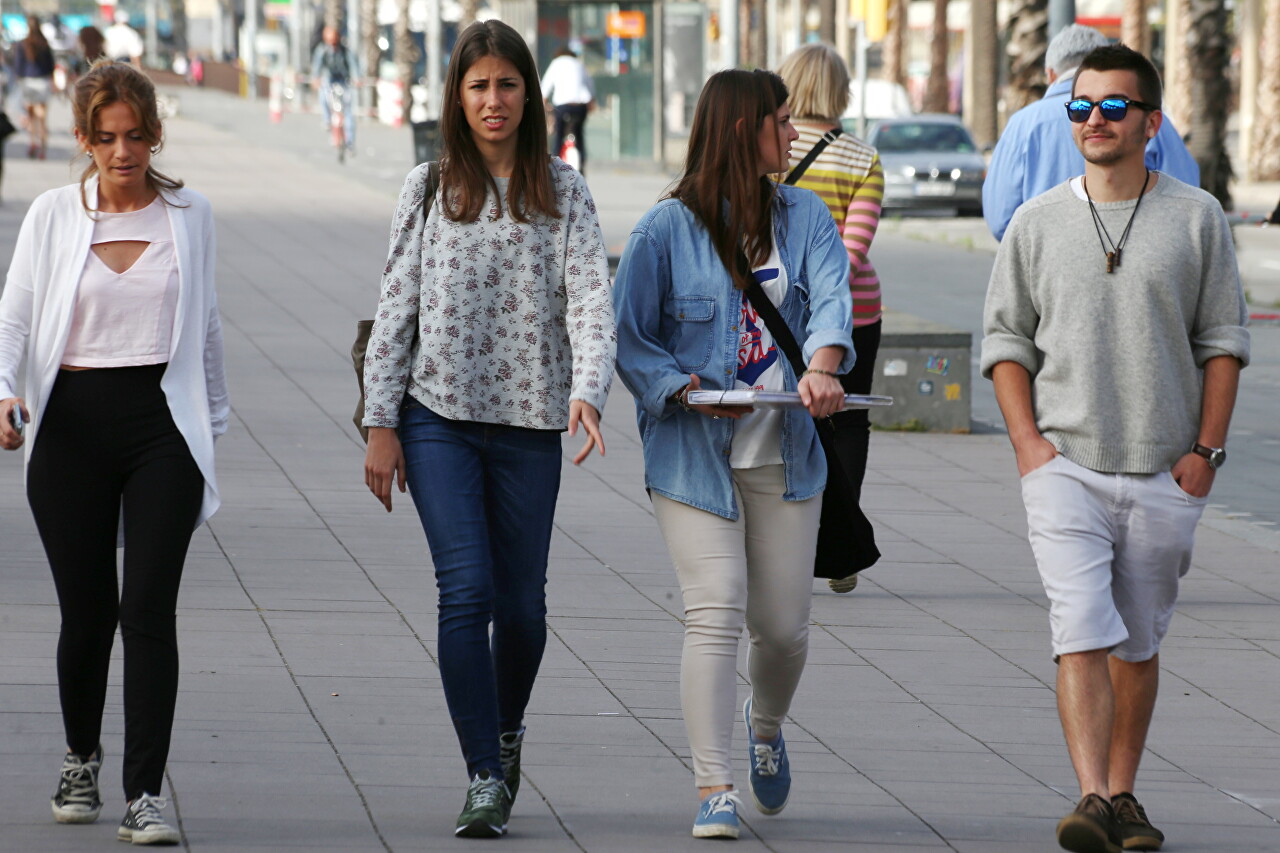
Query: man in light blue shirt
x,y
1036,152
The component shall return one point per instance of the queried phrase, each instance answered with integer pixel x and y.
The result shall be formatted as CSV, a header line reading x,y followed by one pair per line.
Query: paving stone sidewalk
x,y
311,715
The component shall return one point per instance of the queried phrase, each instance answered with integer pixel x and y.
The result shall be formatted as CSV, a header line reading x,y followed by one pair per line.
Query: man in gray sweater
x,y
1115,337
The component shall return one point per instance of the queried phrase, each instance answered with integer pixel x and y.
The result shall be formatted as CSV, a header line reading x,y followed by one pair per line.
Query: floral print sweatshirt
x,y
513,319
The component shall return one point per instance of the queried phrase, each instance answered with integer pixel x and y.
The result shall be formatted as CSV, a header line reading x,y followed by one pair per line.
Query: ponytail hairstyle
x,y
464,179
108,83
722,183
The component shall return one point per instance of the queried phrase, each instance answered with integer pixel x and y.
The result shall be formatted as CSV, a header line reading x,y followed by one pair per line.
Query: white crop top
x,y
126,319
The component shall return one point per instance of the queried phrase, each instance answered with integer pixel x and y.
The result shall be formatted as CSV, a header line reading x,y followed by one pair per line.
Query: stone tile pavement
x,y
311,717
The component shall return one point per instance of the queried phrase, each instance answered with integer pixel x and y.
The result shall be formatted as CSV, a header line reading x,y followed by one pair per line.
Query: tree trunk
x,y
894,42
1211,93
981,114
335,14
1266,126
937,93
1134,29
178,20
1028,41
406,53
1177,66
368,51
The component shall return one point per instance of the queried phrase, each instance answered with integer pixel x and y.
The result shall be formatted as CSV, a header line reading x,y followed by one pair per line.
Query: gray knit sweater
x,y
1116,359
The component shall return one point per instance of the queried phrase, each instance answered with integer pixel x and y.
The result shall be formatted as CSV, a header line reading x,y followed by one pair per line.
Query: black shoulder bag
x,y
365,327
846,540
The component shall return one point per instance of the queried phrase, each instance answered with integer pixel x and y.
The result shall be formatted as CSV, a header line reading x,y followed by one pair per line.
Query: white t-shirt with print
x,y
757,437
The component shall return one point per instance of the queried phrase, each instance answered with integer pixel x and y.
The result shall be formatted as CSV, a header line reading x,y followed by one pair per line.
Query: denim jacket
x,y
678,313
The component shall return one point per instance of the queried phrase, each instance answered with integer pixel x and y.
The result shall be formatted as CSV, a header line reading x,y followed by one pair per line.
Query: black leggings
x,y
107,441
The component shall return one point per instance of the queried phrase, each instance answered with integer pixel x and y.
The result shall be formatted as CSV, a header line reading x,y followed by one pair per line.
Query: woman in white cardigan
x,y
110,296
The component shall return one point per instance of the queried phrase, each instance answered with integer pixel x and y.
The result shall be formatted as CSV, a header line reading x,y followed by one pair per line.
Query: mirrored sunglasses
x,y
1113,109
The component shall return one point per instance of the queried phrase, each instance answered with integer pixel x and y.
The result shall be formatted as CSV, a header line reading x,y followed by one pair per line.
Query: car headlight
x,y
957,174
908,171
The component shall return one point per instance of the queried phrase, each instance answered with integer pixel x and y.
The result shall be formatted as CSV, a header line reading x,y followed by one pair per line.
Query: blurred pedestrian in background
x,y
847,176
1036,152
736,492
494,333
567,90
123,42
110,301
33,65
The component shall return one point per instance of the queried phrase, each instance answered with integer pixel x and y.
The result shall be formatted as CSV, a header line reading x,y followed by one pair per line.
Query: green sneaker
x,y
487,808
509,754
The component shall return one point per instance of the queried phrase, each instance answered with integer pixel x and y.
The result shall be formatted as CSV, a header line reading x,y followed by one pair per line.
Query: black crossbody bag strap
x,y
803,166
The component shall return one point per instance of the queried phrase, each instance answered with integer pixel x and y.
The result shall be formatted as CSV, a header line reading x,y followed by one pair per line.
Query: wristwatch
x,y
1215,456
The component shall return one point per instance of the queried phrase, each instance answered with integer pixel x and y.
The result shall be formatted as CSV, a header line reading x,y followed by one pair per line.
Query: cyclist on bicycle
x,y
567,88
332,63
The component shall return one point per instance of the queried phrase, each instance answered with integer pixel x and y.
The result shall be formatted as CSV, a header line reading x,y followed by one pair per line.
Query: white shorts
x,y
1110,549
35,90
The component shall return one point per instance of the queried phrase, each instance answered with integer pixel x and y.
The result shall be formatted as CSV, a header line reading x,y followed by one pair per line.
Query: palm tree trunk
x,y
369,52
981,114
894,42
1177,65
937,93
1134,29
1266,125
1211,93
406,53
1028,41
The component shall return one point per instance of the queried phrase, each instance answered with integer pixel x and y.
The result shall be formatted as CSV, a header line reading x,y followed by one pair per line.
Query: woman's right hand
x,y
383,463
735,412
9,437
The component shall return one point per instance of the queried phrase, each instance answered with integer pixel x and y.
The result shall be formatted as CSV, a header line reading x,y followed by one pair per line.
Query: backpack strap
x,y
803,166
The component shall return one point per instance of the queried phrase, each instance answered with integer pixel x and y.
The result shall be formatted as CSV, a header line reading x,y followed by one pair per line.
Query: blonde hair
x,y
108,83
818,81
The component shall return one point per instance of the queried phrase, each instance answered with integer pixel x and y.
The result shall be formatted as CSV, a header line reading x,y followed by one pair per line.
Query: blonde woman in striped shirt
x,y
848,177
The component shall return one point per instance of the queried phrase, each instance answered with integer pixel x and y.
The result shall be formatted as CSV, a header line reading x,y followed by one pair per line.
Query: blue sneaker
x,y
770,779
718,816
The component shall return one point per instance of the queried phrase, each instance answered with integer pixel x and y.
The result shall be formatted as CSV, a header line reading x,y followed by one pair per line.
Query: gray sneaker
x,y
77,799
143,823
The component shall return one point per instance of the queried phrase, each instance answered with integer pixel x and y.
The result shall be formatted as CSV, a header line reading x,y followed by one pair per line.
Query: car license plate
x,y
935,188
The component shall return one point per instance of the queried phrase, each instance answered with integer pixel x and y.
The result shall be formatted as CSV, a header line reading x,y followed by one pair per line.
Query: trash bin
x,y
426,140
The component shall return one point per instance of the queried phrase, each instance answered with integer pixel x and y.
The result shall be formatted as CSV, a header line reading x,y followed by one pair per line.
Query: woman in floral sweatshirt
x,y
494,333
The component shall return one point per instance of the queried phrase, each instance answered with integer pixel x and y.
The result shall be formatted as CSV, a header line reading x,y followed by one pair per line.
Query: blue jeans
x,y
486,495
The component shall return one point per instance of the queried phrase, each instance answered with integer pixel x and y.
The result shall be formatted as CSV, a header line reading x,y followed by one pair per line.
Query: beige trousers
x,y
758,569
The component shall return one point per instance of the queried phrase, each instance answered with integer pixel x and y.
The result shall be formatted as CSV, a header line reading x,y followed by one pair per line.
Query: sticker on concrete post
x,y
937,364
951,391
925,387
895,367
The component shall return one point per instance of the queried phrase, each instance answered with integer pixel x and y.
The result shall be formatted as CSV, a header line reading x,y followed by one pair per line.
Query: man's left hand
x,y
1193,475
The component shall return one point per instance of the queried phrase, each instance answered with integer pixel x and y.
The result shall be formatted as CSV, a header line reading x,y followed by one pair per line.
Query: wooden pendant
x,y
1111,262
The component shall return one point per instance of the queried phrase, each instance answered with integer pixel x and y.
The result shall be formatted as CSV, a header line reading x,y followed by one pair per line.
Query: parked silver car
x,y
930,161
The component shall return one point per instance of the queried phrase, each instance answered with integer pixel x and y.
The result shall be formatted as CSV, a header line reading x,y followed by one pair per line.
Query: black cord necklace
x,y
1113,255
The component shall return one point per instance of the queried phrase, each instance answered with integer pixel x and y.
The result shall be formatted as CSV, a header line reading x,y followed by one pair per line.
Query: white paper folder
x,y
776,399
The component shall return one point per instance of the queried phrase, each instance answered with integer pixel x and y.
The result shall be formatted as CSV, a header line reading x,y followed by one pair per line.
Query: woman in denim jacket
x,y
737,492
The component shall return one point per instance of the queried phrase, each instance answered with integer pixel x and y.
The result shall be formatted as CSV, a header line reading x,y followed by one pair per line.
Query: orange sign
x,y
626,25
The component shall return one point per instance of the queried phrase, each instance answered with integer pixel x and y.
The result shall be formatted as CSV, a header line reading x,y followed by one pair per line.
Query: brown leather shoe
x,y
1091,828
1136,832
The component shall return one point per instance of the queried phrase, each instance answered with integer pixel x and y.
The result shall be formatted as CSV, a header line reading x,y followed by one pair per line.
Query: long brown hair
x,y
464,179
108,83
35,43
722,183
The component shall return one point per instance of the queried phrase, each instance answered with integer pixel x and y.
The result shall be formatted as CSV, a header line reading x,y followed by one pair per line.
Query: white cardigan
x,y
40,296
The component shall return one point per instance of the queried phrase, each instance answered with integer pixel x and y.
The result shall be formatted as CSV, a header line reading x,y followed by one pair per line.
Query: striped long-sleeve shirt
x,y
848,178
